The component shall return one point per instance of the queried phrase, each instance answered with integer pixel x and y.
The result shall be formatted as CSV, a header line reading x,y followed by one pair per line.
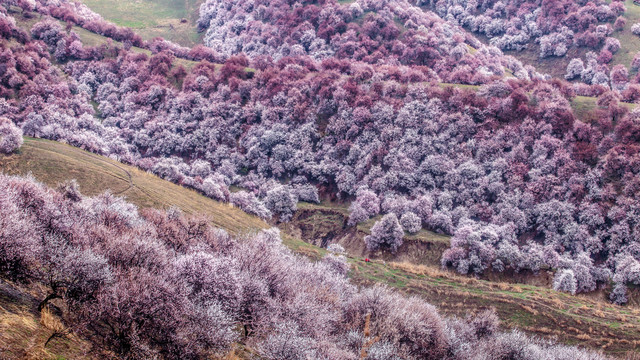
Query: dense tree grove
x,y
507,169
154,284
553,26
374,32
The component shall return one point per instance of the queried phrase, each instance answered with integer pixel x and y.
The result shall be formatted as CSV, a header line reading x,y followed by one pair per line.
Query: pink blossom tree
x,y
10,136
386,233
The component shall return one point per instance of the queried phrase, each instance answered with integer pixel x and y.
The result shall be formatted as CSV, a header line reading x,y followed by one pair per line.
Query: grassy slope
x,y
630,44
554,66
573,319
153,18
582,106
89,38
51,163
578,320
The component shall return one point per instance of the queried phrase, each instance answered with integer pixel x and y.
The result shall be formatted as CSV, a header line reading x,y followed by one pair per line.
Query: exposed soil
x,y
322,227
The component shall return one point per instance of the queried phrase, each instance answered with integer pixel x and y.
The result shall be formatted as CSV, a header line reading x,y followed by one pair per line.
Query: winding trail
x,y
102,160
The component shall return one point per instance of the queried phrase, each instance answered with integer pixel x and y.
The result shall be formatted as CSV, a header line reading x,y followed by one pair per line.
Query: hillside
x,y
535,309
630,43
24,332
52,163
508,25
394,129
163,18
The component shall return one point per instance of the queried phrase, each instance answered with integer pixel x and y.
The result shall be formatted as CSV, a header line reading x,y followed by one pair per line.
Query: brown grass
x,y
231,355
53,323
24,332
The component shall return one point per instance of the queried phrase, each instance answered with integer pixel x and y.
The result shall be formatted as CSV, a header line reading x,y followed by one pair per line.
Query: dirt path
x,y
102,160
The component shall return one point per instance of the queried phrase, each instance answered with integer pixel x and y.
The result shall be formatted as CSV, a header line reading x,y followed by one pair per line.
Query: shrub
x,y
159,285
10,136
604,57
612,45
574,69
250,203
485,323
307,192
337,263
619,294
620,23
565,281
336,248
411,222
282,201
366,205
48,30
386,233
635,63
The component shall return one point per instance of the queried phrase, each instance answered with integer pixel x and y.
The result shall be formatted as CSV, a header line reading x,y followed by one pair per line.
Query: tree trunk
x,y
49,297
53,336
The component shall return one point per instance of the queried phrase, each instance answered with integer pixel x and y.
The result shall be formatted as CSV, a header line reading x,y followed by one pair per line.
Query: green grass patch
x,y
583,107
523,318
630,43
173,20
342,208
461,86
